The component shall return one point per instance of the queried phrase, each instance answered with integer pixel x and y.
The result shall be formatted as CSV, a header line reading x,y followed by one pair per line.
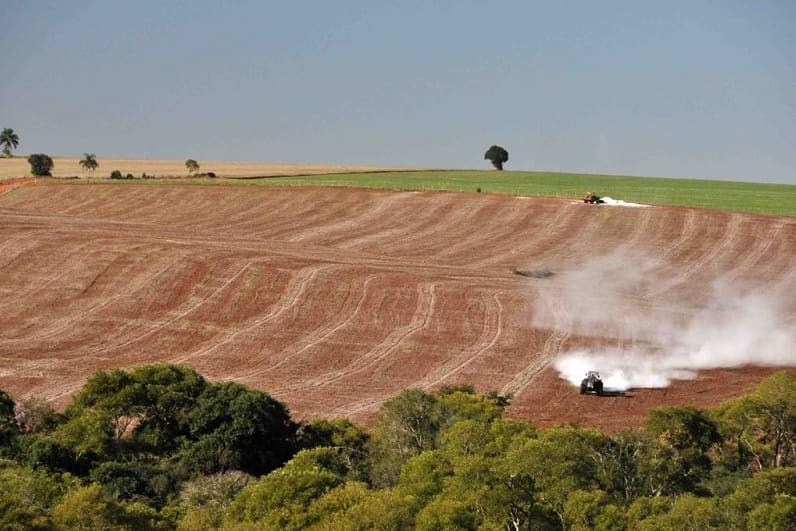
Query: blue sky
x,y
675,89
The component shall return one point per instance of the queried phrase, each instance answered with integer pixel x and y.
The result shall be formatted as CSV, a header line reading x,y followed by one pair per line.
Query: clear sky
x,y
703,89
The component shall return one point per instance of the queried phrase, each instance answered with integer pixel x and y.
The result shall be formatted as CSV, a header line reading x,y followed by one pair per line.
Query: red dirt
x,y
334,300
6,185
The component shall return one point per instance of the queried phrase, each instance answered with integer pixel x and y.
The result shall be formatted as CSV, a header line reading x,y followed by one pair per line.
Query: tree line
x,y
159,447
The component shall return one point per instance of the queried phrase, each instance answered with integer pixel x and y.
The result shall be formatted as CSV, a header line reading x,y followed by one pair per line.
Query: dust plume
x,y
619,202
646,342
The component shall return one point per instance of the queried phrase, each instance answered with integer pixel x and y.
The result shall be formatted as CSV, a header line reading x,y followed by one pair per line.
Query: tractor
x,y
592,384
592,198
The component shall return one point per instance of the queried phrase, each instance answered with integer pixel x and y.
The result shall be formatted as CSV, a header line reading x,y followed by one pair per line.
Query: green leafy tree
x,y
556,463
619,463
89,508
192,165
405,426
759,429
206,498
41,165
329,509
280,499
679,460
425,474
780,515
214,490
8,423
350,440
762,489
498,156
387,509
47,453
27,496
446,513
645,507
151,402
486,477
457,404
35,414
10,140
235,428
688,512
89,162
88,435
123,482
583,509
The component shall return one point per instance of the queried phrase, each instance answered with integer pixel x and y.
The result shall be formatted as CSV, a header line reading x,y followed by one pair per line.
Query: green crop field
x,y
778,199
747,197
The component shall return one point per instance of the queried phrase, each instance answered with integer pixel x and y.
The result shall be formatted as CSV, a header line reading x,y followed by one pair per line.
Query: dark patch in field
x,y
538,273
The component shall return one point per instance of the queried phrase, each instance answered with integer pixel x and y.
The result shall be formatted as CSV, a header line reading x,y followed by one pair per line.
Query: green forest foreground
x,y
158,447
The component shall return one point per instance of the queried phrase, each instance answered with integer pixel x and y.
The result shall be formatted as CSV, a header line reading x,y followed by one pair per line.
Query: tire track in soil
x,y
63,272
66,322
452,223
9,185
34,366
386,227
195,302
686,235
552,347
420,318
490,333
762,245
308,342
292,296
26,245
537,240
727,238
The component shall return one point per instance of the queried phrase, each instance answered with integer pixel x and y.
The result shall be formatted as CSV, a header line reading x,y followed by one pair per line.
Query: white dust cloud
x,y
619,202
615,202
648,343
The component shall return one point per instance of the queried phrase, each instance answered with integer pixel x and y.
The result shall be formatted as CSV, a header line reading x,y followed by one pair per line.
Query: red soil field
x,y
334,300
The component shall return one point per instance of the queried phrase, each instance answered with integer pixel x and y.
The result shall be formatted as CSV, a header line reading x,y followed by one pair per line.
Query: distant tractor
x,y
592,198
592,384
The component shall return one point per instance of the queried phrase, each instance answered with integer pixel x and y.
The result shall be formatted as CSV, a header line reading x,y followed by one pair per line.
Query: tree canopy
x,y
498,156
41,165
158,447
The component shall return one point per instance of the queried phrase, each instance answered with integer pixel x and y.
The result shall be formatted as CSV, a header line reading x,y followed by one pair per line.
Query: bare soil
x,y
334,300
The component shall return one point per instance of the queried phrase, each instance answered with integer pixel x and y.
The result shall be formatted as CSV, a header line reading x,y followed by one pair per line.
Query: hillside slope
x,y
334,300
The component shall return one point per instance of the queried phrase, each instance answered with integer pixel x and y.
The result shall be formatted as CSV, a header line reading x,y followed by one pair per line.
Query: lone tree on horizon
x,y
10,140
89,162
192,165
498,156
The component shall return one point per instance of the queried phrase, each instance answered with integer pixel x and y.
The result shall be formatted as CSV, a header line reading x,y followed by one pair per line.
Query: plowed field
x,y
334,300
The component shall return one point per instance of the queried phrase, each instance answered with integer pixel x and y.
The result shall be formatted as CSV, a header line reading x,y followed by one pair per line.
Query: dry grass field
x,y
70,167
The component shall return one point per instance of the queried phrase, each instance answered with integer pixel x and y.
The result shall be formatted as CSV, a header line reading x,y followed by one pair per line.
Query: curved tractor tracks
x,y
335,300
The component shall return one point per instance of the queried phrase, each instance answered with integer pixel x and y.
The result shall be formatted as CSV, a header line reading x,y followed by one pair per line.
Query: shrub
x,y
116,174
41,165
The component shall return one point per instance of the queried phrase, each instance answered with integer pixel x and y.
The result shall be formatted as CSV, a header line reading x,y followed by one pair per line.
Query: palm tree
x,y
10,140
89,162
